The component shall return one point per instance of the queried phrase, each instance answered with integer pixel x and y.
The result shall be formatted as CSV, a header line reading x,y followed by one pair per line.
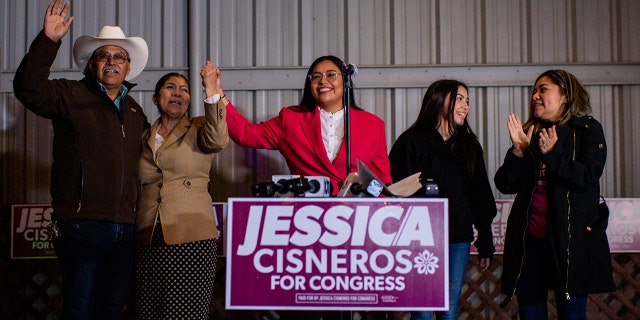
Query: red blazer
x,y
298,137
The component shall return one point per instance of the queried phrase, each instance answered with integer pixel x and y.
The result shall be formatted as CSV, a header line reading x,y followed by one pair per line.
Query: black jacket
x,y
471,201
96,147
577,233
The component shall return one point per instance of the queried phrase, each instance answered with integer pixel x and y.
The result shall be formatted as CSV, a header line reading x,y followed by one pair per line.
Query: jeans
x,y
458,260
96,261
574,309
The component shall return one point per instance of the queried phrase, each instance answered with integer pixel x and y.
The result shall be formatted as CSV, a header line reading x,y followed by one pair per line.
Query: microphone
x,y
373,189
320,186
312,186
270,188
299,186
351,70
264,189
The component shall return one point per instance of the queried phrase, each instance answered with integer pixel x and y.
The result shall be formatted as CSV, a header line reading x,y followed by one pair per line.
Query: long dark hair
x,y
465,143
308,102
577,105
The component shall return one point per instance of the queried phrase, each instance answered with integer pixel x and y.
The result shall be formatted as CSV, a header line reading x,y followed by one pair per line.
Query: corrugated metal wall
x,y
498,47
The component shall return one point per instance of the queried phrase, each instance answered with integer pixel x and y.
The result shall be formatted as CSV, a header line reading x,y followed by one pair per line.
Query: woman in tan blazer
x,y
175,225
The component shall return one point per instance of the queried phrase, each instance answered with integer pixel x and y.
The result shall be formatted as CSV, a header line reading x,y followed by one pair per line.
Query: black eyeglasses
x,y
117,58
331,76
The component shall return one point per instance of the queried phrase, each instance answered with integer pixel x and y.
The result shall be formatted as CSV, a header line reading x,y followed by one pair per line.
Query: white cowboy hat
x,y
136,47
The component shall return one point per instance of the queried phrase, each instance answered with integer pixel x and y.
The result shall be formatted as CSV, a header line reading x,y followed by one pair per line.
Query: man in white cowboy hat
x,y
96,149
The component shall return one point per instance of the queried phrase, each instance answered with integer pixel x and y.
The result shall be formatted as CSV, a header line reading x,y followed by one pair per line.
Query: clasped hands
x,y
211,79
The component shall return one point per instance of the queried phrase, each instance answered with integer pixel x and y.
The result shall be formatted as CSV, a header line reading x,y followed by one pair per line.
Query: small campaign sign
x,y
623,231
29,237
337,254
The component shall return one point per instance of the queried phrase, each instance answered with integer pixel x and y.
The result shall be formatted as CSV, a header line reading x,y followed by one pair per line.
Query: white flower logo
x,y
426,262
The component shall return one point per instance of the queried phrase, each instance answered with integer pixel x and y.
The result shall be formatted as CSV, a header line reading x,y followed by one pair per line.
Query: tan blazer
x,y
175,184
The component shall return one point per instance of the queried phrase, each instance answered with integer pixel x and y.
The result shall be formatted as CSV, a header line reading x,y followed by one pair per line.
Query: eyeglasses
x,y
117,58
331,76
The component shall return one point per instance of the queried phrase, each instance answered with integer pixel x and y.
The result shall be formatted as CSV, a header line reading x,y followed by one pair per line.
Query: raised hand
x,y
56,24
519,138
211,79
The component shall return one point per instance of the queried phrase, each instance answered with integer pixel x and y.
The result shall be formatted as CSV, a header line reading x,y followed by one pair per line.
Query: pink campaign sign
x,y
337,254
29,237
623,231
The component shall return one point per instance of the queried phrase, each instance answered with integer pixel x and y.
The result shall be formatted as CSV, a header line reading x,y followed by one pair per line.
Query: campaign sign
x,y
29,237
499,225
623,231
337,254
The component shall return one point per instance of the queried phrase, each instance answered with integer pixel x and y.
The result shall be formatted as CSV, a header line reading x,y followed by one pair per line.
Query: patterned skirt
x,y
174,281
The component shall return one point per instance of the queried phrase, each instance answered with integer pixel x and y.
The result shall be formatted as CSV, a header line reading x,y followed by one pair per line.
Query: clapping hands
x,y
521,139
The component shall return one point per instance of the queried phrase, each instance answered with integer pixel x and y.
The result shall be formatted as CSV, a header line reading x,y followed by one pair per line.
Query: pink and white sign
x,y
29,237
623,231
337,254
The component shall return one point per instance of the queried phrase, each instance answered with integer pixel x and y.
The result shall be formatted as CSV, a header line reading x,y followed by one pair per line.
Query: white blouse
x,y
332,125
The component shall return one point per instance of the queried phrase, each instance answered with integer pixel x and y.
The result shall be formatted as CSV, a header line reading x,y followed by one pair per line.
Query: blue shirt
x,y
123,92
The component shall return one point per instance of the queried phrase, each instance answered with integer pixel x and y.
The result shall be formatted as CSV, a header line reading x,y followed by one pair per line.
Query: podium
x,y
337,254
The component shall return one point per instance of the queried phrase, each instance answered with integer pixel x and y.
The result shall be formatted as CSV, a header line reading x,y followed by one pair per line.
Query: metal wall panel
x,y
626,42
323,26
505,26
265,47
414,36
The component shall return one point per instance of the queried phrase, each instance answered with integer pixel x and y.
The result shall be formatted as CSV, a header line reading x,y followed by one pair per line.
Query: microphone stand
x,y
346,99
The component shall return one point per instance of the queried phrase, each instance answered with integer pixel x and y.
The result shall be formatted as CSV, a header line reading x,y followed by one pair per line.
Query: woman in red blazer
x,y
310,135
